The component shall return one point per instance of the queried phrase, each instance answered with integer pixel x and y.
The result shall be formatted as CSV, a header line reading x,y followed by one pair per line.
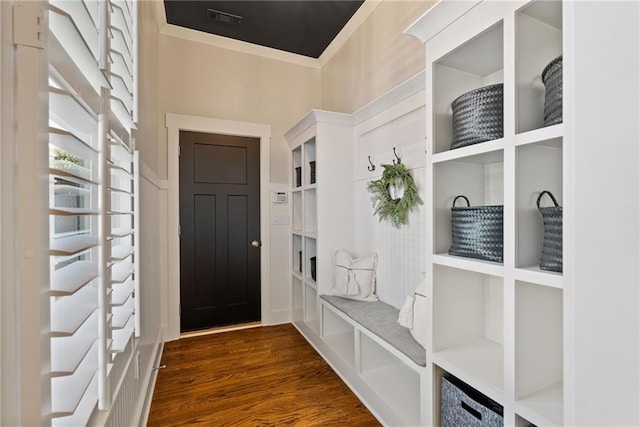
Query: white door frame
x,y
175,123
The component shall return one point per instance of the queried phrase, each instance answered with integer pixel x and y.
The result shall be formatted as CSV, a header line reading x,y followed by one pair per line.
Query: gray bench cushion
x,y
381,319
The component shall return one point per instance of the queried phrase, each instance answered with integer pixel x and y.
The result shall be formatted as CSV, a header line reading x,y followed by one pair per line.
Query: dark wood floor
x,y
253,377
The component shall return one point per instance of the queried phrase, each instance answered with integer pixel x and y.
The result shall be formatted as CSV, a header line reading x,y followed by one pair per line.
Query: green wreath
x,y
394,194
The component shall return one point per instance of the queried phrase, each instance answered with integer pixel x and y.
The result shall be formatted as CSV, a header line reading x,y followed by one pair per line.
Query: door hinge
x,y
28,26
178,151
179,231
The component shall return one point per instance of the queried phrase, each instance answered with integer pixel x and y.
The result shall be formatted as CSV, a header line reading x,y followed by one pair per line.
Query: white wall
x,y
603,218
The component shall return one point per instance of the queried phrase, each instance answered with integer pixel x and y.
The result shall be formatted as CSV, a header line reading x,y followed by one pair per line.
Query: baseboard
x,y
150,377
278,317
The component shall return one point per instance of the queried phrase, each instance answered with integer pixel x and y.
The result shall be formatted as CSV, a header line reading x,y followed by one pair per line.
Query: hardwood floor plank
x,y
254,377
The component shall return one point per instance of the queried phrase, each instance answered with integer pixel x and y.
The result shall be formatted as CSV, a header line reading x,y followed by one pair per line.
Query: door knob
x,y
256,243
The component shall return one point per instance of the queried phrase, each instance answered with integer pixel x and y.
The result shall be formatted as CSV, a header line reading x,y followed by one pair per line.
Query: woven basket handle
x,y
468,204
555,202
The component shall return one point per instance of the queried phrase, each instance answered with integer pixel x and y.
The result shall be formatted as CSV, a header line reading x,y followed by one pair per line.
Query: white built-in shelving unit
x,y
510,329
487,323
326,217
552,348
320,206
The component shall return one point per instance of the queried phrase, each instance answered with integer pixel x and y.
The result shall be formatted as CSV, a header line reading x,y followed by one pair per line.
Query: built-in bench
x,y
374,355
382,320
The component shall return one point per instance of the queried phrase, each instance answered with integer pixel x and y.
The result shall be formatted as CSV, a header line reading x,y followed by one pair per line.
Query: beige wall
x,y
203,80
375,59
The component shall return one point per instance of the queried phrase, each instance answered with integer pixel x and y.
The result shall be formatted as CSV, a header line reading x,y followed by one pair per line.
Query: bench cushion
x,y
381,319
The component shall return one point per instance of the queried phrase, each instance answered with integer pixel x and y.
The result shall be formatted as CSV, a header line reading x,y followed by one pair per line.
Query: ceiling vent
x,y
227,18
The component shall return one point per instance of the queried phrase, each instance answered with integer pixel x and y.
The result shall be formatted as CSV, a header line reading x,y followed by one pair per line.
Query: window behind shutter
x,y
92,201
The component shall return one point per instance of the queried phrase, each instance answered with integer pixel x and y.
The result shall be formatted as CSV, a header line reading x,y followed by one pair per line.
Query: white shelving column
x,y
322,208
486,324
540,343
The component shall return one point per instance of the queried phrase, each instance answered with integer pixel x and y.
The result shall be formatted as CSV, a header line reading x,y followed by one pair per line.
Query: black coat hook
x,y
372,167
397,160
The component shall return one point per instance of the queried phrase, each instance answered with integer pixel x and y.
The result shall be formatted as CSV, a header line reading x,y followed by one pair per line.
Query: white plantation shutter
x,y
92,201
123,176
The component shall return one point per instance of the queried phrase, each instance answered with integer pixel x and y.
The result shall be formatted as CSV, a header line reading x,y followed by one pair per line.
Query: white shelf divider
x,y
544,407
539,277
470,264
478,363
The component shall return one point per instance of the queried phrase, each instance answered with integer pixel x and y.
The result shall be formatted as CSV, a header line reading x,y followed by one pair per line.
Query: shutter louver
x,y
94,280
123,176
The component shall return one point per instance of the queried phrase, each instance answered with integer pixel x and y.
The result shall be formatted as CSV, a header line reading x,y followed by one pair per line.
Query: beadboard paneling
x,y
401,251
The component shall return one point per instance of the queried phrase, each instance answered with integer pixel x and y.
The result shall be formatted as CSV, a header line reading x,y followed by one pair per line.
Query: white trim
x,y
402,91
439,17
148,174
148,384
175,123
347,31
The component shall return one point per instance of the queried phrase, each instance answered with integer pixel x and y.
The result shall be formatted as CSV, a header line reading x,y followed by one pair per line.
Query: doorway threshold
x,y
220,329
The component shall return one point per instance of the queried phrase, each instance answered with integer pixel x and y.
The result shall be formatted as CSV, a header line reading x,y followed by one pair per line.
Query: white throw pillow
x,y
420,309
413,313
355,278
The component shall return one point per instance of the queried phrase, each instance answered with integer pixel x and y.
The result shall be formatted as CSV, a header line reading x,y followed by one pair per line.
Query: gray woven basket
x,y
551,258
478,116
477,231
552,79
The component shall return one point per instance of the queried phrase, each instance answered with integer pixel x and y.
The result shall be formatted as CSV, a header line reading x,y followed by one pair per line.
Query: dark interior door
x,y
219,220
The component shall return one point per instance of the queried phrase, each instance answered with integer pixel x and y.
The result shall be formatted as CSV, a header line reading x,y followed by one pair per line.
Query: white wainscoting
x,y
396,120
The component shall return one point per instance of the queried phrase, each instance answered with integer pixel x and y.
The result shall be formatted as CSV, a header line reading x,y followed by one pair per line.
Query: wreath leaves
x,y
394,210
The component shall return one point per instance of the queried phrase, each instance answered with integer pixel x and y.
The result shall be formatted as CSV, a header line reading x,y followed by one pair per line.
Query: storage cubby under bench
x,y
377,357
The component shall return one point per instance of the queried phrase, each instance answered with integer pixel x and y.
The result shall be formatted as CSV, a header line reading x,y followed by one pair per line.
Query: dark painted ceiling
x,y
304,27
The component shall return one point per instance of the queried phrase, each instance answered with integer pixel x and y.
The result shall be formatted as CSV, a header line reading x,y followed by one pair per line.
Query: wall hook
x,y
372,167
397,160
